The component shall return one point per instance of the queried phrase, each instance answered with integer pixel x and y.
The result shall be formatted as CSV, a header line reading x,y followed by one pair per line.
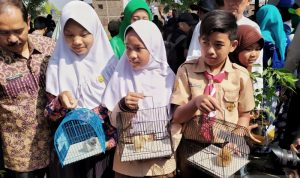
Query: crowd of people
x,y
198,66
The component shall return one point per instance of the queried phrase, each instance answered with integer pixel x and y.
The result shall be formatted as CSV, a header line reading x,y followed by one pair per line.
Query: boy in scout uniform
x,y
212,86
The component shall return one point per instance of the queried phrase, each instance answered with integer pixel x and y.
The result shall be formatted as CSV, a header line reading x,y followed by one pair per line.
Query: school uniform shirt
x,y
234,94
24,129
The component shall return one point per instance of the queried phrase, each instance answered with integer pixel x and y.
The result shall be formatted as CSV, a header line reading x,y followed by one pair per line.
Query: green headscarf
x,y
117,42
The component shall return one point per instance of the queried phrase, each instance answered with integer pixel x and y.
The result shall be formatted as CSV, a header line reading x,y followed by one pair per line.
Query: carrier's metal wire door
x,y
144,134
221,151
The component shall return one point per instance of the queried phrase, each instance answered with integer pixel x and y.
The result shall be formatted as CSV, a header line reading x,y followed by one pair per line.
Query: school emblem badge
x,y
230,106
100,79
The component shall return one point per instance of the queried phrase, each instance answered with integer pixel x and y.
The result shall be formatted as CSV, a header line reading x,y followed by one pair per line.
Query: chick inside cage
x,y
144,134
80,135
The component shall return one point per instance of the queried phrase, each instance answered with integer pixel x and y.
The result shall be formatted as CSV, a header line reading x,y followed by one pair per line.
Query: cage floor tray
x,y
82,150
151,149
207,160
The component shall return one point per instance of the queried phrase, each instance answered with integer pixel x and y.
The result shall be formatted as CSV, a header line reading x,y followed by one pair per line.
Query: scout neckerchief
x,y
207,120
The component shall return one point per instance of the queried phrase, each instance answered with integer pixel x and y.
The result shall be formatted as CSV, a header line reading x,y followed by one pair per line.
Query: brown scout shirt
x,y
234,94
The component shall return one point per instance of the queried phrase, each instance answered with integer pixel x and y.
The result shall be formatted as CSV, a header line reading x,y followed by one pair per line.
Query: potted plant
x,y
266,99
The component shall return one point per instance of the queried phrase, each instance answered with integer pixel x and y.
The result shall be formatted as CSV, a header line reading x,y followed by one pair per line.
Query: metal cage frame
x,y
80,135
144,134
222,155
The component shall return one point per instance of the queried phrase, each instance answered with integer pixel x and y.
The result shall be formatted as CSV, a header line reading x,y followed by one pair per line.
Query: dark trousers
x,y
40,173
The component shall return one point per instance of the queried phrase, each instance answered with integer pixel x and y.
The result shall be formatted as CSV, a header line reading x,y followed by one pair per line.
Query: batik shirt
x,y
24,130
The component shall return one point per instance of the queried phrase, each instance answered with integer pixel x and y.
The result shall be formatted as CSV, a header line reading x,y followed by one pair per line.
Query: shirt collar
x,y
202,67
33,48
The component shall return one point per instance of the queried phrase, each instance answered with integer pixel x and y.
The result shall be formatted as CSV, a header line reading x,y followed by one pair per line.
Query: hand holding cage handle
x,y
129,103
67,100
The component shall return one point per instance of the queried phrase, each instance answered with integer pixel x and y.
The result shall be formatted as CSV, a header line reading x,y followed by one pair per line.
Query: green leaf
x,y
270,62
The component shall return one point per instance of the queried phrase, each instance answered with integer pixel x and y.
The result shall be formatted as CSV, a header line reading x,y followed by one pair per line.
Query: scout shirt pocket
x,y
230,105
197,88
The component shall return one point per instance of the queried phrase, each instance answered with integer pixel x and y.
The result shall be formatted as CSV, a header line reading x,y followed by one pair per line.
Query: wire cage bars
x,y
217,147
144,134
80,135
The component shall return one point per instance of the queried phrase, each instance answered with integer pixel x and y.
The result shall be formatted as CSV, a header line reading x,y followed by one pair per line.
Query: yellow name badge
x,y
100,79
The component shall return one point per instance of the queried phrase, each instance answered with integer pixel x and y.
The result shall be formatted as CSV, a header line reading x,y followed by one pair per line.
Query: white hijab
x,y
155,80
86,75
194,51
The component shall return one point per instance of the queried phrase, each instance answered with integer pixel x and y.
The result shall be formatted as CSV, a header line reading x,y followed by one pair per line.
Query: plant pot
x,y
260,132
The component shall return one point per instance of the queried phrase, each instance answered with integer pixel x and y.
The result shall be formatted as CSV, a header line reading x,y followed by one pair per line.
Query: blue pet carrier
x,y
80,135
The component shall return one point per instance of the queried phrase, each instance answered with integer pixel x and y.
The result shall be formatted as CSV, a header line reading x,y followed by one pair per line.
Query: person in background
x,y
203,6
292,64
144,60
171,23
276,40
25,132
40,26
134,10
186,25
50,25
211,85
113,27
157,22
291,137
250,44
77,74
295,19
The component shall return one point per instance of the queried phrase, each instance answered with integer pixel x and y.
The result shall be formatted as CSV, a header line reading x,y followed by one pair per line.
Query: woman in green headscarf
x,y
134,10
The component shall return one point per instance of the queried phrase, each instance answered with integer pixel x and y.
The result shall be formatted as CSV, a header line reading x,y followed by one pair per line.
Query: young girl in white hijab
x,y
142,80
77,74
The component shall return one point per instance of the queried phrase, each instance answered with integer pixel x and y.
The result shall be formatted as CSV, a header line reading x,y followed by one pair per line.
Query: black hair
x,y
128,30
40,22
220,3
113,27
219,21
16,3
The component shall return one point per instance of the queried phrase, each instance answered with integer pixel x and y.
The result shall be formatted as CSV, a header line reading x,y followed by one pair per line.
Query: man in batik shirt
x,y
23,59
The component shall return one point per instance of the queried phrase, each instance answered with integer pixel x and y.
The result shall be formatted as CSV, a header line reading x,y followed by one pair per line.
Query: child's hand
x,y
207,104
132,99
295,146
67,100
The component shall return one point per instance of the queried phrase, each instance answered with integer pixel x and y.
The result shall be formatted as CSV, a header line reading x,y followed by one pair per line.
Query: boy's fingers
x,y
215,104
204,109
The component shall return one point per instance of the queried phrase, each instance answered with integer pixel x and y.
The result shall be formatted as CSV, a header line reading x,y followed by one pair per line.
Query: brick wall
x,y
108,10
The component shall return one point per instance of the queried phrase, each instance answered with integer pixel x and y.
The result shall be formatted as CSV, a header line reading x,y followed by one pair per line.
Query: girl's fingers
x,y
136,95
